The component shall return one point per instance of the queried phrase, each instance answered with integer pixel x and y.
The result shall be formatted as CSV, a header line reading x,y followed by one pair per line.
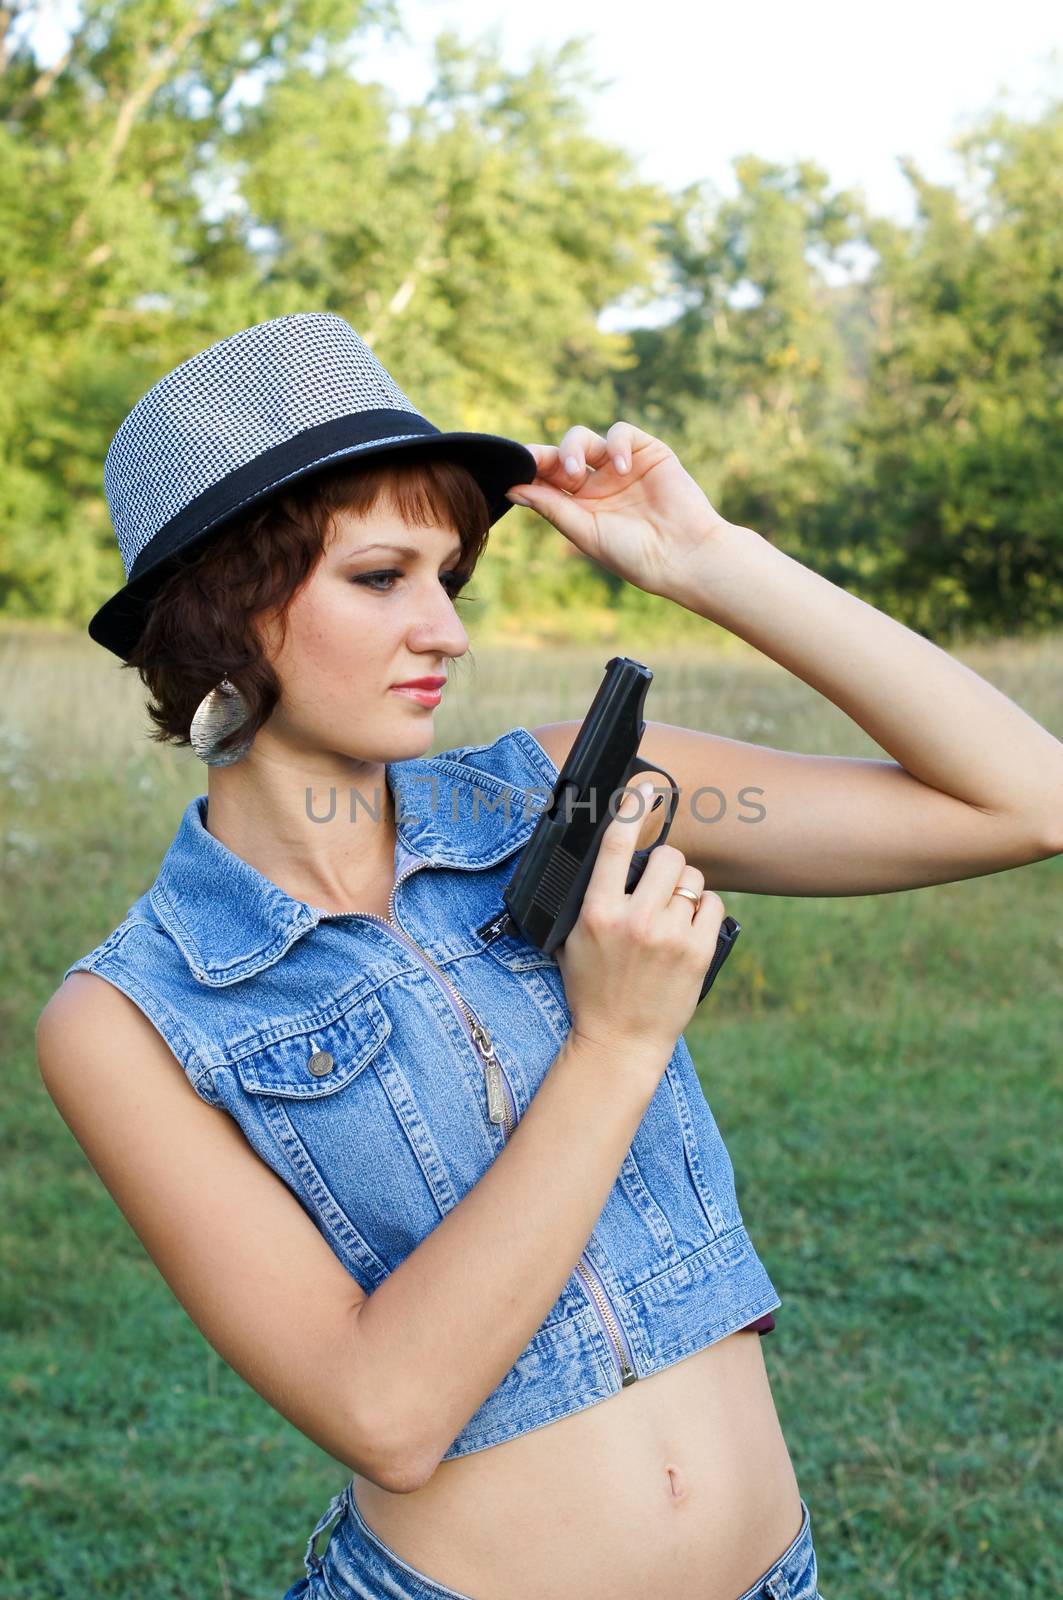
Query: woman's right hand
x,y
633,964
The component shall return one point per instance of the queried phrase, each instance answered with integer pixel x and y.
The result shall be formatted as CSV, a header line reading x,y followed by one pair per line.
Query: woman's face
x,y
365,620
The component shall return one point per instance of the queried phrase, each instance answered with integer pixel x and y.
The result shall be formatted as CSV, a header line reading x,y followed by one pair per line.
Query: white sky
x,y
695,83
841,82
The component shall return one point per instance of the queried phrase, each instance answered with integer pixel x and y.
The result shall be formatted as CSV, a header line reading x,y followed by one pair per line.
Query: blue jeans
x,y
357,1565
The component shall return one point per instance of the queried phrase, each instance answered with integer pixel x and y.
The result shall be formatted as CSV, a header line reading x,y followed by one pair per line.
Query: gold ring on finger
x,y
688,894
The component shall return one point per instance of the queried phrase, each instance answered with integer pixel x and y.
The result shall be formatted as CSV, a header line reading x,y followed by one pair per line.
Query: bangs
x,y
424,491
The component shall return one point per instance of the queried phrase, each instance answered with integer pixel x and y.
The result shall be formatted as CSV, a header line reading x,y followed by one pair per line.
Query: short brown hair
x,y
200,626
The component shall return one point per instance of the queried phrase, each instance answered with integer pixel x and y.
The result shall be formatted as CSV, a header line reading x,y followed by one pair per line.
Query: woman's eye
x,y
370,579
454,582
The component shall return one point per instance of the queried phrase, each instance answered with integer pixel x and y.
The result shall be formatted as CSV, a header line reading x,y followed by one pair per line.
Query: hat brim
x,y
495,462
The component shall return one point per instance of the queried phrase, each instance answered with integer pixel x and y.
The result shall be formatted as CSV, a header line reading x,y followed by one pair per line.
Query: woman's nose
x,y
443,632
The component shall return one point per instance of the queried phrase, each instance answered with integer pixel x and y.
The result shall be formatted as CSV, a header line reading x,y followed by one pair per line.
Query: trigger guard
x,y
673,804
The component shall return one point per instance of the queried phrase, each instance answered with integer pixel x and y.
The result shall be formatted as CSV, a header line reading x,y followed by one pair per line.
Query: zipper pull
x,y
481,1038
496,1100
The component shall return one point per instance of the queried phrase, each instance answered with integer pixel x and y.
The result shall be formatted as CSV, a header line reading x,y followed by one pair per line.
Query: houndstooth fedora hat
x,y
259,409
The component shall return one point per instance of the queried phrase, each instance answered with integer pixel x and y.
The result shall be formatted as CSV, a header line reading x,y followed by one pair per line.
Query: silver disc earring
x,y
217,714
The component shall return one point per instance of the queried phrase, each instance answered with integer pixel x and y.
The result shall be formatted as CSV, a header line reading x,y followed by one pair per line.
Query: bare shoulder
x,y
90,1029
126,1098
86,1000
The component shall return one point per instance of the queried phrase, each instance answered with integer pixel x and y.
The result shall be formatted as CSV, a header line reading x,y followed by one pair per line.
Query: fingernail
x,y
518,499
571,465
620,463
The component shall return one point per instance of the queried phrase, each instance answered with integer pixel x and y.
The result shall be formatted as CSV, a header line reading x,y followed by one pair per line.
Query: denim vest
x,y
379,1067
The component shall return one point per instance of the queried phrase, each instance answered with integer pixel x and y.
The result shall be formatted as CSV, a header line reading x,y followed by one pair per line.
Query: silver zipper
x,y
501,1103
502,1110
604,1306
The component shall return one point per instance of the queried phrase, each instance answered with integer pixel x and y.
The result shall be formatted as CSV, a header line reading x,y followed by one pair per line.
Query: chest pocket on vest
x,y
337,1103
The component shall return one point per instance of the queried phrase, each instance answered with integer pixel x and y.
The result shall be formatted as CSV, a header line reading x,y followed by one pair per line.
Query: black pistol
x,y
545,893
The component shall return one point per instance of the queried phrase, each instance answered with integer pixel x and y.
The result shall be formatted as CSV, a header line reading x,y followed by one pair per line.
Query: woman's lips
x,y
424,697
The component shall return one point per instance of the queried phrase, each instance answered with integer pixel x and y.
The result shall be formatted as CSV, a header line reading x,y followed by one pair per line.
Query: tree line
x,y
185,168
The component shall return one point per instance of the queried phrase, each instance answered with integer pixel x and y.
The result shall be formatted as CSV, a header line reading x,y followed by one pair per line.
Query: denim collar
x,y
230,921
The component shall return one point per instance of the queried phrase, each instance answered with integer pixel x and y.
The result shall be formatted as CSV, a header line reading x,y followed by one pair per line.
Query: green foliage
x,y
749,383
962,427
188,167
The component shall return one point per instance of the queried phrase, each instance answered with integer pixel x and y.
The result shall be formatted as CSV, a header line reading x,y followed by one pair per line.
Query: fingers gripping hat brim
x,y
256,412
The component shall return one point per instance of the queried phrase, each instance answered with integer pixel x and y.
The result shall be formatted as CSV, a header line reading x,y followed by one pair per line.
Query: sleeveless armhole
x,y
106,962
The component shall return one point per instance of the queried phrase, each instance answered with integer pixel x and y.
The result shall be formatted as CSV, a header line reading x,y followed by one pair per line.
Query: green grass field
x,y
884,1070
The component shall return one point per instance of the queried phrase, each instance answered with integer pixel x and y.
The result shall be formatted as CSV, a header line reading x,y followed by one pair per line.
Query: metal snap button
x,y
320,1063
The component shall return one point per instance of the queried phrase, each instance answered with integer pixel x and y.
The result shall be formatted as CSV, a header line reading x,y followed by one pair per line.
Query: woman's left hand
x,y
648,522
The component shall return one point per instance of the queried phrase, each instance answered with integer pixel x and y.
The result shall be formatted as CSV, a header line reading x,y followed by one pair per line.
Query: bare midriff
x,y
679,1484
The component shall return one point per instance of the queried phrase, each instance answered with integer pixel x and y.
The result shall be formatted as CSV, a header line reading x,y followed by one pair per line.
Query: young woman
x,y
458,1210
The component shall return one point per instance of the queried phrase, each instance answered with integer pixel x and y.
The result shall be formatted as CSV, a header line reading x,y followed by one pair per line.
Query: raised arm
x,y
975,784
